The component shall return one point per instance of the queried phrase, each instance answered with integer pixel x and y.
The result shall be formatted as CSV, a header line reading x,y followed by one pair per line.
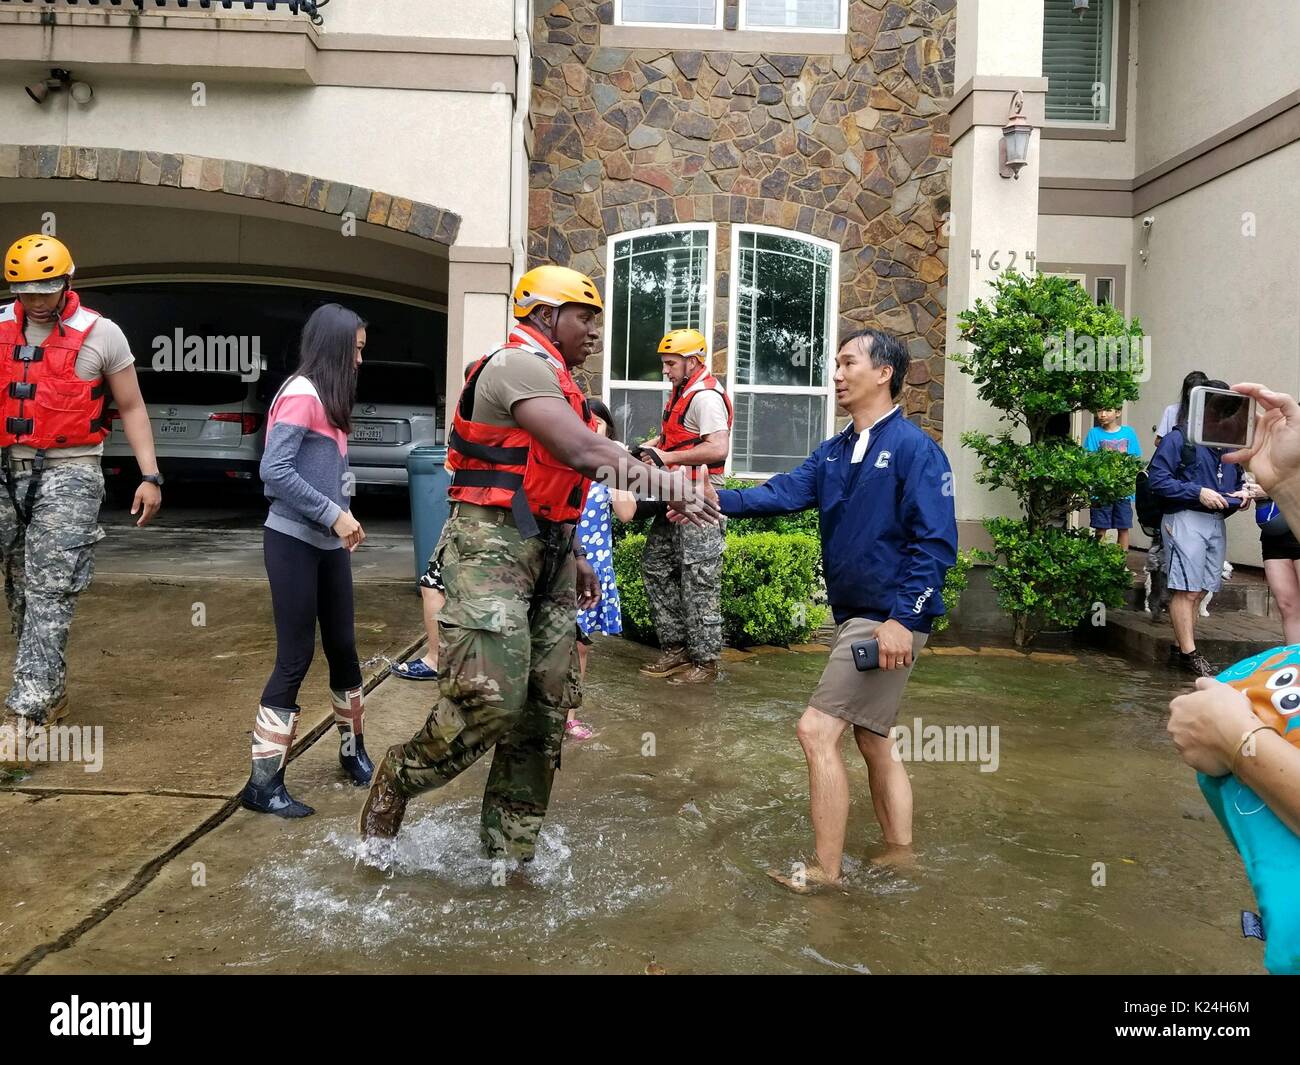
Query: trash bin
x,y
427,482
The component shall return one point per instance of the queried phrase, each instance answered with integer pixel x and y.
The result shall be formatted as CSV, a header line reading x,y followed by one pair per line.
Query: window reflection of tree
x,y
785,302
659,292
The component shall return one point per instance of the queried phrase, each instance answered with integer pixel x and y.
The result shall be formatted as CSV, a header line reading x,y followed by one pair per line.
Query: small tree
x,y
1041,349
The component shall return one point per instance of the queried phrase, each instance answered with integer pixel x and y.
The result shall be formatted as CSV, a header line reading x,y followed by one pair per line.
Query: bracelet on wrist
x,y
1246,737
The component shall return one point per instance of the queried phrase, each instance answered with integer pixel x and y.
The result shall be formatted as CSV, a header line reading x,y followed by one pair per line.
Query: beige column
x,y
478,310
994,219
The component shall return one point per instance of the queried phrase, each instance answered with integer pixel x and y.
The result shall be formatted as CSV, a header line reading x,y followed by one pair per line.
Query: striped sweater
x,y
304,467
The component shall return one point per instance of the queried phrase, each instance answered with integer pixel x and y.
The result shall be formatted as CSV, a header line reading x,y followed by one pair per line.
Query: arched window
x,y
660,279
782,347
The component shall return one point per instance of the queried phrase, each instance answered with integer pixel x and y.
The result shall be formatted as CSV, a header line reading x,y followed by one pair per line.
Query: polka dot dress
x,y
594,533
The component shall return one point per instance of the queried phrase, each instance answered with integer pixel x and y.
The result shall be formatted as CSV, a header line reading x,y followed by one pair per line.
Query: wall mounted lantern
x,y
1013,149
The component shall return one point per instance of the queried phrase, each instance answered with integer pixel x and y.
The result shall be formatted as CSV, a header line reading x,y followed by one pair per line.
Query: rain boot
x,y
350,717
272,737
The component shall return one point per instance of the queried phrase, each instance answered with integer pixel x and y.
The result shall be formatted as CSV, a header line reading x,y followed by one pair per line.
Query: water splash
x,y
432,887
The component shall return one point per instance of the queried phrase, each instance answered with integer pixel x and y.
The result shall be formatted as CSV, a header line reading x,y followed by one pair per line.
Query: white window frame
x,y
608,382
843,27
832,320
1118,11
716,24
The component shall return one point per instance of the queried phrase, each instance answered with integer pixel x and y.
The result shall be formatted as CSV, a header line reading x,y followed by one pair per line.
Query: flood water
x,y
1089,849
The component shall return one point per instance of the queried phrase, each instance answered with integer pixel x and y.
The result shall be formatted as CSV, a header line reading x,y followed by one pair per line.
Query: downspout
x,y
518,150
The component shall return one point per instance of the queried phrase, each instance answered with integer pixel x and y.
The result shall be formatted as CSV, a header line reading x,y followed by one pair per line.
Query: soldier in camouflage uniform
x,y
521,449
49,462
682,564
509,657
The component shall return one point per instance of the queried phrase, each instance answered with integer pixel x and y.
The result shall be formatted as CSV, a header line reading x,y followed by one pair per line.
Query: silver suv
x,y
206,426
396,410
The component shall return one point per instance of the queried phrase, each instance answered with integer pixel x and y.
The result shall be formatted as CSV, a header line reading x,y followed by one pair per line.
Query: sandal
x,y
414,670
578,730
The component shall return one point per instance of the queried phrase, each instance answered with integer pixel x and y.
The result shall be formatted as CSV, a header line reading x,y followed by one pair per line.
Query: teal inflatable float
x,y
1269,850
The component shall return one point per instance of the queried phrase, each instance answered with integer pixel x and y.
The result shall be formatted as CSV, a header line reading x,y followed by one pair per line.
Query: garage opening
x,y
211,355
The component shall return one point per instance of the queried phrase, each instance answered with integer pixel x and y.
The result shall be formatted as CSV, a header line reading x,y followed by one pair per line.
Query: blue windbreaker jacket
x,y
888,523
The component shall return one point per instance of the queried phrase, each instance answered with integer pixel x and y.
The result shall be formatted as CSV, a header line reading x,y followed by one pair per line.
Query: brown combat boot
x,y
381,817
11,727
699,673
673,660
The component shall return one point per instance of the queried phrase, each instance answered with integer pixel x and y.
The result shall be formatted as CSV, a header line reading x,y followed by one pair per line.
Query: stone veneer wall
x,y
850,147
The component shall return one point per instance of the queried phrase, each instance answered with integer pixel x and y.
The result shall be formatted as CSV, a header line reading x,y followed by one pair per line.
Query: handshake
x,y
691,499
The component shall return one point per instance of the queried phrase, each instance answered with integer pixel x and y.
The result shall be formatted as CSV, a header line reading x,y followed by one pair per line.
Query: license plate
x,y
173,429
368,434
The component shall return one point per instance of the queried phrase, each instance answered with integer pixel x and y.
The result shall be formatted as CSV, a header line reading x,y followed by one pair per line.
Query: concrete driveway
x,y
175,701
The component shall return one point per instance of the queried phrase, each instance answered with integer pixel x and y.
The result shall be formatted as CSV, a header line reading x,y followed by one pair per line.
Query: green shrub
x,y
805,521
768,584
1051,578
769,588
954,583
1046,574
631,590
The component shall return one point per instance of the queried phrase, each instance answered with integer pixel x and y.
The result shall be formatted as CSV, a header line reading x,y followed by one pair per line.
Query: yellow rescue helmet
x,y
554,286
685,342
37,263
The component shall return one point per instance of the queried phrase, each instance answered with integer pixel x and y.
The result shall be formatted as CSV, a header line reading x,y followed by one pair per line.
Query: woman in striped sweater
x,y
307,543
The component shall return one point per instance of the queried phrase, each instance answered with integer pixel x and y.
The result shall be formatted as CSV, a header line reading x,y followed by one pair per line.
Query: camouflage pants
x,y
682,570
47,565
508,653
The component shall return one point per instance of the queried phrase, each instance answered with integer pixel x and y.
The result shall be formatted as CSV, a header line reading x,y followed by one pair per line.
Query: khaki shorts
x,y
868,699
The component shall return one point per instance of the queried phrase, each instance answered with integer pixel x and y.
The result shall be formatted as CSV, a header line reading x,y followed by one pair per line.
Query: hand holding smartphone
x,y
1219,417
866,654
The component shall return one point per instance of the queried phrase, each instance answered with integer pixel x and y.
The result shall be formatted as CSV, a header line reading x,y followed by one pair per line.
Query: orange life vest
x,y
675,435
505,466
44,403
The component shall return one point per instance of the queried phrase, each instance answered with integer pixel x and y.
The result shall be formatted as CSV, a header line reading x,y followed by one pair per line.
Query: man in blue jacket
x,y
889,535
1197,492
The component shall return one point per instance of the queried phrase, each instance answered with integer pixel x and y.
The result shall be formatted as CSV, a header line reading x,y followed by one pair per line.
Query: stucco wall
x,y
1215,299
421,18
445,148
1207,64
1080,239
123,235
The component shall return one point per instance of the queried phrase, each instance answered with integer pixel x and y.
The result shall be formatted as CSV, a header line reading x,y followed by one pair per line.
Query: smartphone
x,y
642,453
866,654
1219,417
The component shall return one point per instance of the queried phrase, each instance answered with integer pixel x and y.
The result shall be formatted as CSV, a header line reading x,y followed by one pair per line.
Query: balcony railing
x,y
310,8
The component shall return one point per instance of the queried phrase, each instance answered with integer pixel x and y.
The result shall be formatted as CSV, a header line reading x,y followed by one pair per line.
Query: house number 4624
x,y
996,262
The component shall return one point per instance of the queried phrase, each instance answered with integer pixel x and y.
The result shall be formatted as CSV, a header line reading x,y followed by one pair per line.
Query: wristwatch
x,y
153,478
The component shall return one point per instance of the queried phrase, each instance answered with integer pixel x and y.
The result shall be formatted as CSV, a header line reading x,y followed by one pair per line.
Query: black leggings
x,y
308,584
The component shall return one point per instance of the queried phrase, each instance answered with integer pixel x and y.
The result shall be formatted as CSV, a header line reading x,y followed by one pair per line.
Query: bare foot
x,y
901,856
805,880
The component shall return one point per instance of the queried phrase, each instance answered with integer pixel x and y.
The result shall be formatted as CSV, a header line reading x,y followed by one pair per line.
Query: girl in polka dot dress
x,y
595,533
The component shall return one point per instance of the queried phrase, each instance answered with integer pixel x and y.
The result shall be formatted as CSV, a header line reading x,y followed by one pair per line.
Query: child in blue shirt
x,y
1111,436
